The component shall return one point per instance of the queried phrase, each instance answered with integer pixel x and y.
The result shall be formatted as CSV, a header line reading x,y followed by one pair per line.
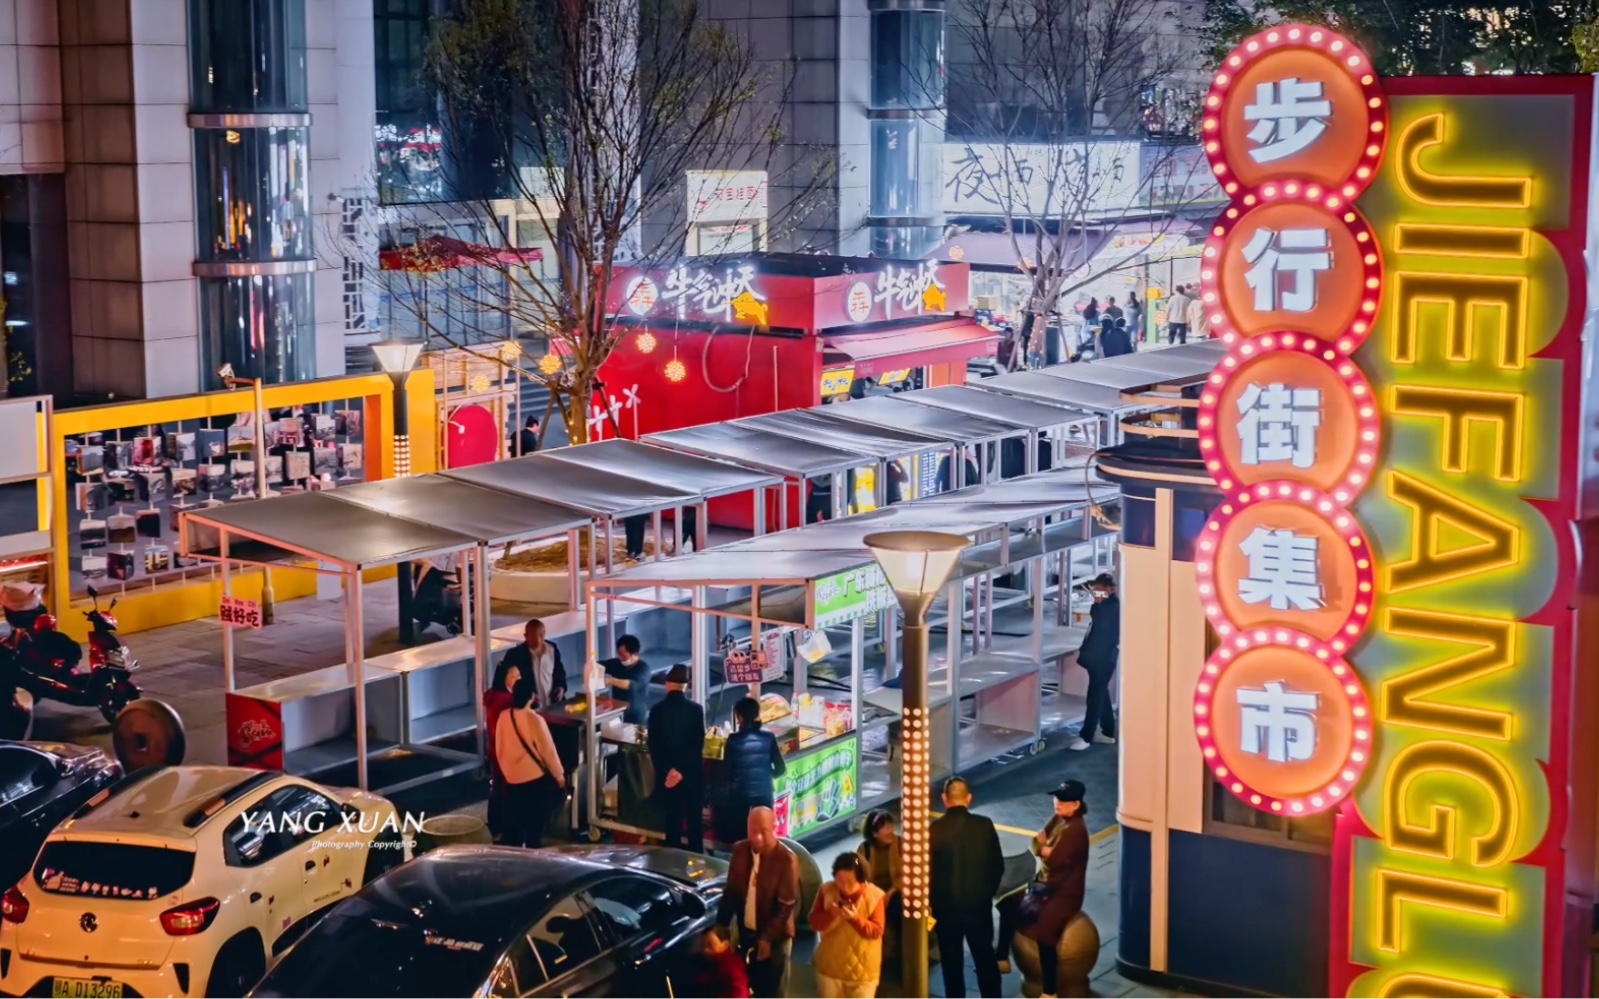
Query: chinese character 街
x,y
1288,117
1277,722
1278,423
1299,254
1282,570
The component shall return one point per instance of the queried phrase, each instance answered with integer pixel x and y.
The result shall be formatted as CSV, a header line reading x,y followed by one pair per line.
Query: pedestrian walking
x,y
967,867
1099,654
762,892
850,916
527,439
1112,310
751,764
880,851
1135,318
677,748
535,782
1091,314
540,659
1199,319
1056,897
496,701
1177,315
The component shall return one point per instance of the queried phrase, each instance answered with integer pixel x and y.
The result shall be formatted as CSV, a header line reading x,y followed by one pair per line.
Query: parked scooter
x,y
44,662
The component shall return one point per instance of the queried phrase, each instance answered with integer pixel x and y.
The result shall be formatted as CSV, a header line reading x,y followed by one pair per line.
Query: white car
x,y
186,881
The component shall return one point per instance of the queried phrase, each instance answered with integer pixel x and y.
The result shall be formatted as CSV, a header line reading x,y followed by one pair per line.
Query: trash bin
x,y
452,830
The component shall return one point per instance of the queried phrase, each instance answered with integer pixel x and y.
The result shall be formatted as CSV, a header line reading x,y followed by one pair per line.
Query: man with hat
x,y
677,748
1099,654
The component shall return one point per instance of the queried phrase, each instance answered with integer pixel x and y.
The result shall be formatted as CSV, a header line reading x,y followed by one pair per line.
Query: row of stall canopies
x,y
563,492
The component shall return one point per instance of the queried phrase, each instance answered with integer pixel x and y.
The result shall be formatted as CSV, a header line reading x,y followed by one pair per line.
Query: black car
x,y
41,784
504,921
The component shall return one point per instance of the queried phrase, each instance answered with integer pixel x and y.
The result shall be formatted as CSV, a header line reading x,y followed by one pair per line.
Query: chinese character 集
x,y
1282,570
1277,722
1277,423
1288,117
1298,253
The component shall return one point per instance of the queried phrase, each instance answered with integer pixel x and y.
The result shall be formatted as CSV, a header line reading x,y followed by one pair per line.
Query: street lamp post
x,y
231,381
917,564
397,358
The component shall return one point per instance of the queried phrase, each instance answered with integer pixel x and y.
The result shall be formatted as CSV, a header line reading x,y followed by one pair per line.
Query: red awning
x,y
442,253
875,353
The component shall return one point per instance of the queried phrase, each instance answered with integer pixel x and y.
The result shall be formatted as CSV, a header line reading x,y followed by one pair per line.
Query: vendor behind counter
x,y
629,675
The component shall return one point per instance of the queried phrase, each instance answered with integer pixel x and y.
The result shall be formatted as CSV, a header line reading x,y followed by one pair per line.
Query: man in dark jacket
x,y
1099,654
967,867
762,893
677,748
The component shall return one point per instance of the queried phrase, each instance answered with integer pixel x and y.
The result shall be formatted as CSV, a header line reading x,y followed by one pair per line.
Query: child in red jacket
x,y
717,971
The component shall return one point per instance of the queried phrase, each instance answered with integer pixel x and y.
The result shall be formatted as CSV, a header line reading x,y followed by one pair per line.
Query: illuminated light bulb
x,y
1273,37
1254,799
1235,61
1238,788
1376,126
645,342
1294,33
1253,46
1276,806
1337,46
675,371
1298,807
1210,752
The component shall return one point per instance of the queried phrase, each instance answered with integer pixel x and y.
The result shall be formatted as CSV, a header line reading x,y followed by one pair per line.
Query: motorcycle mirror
x,y
113,604
93,592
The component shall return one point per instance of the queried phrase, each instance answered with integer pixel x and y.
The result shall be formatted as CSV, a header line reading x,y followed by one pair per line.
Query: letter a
x,y
1429,561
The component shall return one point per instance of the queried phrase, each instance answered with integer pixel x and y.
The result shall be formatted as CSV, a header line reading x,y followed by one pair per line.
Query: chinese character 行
x,y
1278,722
1282,570
1300,253
1288,117
1277,423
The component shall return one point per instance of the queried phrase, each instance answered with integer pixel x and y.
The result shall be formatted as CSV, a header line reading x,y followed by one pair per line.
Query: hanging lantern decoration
x,y
675,371
479,384
645,342
550,364
510,350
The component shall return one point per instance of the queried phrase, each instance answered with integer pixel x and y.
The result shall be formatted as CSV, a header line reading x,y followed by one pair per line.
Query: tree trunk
x,y
577,416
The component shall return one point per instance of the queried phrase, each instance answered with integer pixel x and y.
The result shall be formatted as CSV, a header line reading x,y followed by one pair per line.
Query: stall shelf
x,y
344,533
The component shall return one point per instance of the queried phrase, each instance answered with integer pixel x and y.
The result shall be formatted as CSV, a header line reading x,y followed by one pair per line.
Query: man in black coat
x,y
967,868
1099,654
677,748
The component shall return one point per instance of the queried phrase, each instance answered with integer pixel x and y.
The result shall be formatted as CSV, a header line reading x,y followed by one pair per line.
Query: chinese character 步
x,y
1277,722
1299,254
1283,570
1288,117
1278,423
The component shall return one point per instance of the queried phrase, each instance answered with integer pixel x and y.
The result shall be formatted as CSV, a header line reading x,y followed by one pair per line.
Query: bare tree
x,y
588,115
1038,88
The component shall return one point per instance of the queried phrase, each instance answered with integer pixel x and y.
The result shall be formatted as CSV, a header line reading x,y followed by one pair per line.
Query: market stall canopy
x,y
880,351
879,442
1108,375
316,526
723,566
1183,363
1014,410
754,448
1066,485
488,515
891,412
575,486
662,466
1061,391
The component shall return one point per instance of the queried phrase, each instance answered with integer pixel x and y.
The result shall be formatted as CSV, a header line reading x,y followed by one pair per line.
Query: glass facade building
x,y
907,125
254,254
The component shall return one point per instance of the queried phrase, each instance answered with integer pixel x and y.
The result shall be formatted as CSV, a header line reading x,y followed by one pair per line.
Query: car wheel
x,y
238,968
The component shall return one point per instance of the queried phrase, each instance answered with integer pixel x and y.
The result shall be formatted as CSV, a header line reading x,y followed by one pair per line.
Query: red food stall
x,y
720,339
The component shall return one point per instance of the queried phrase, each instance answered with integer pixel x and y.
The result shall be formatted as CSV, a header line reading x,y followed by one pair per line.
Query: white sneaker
x,y
1078,745
1105,740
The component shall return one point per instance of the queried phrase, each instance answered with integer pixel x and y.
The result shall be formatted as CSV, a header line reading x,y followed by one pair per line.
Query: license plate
x,y
85,988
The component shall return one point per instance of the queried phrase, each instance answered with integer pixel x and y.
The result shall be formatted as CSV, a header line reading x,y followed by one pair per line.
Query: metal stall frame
x,y
663,585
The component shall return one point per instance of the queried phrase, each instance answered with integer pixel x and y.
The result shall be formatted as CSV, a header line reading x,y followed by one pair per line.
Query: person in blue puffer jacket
x,y
751,764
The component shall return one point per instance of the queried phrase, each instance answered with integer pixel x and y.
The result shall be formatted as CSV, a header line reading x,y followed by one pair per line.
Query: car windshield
x,y
394,960
112,870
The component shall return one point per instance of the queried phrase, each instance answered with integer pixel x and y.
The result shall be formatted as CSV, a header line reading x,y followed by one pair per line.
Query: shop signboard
x,y
726,196
1072,179
255,732
1397,435
853,593
238,612
818,788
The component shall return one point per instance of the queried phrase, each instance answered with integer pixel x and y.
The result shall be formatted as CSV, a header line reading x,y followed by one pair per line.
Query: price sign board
x,y
240,613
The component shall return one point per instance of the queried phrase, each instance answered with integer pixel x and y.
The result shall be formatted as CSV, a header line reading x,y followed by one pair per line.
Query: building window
x,y
410,132
907,59
247,56
265,326
254,204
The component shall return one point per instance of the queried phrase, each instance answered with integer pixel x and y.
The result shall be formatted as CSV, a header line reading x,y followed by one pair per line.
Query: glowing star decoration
x,y
750,309
675,371
1277,722
1283,571
549,364
1277,423
1289,115
645,342
1297,254
933,299
510,350
479,384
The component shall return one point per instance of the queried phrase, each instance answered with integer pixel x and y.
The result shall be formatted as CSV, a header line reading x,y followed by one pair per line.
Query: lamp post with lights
x,y
917,564
397,358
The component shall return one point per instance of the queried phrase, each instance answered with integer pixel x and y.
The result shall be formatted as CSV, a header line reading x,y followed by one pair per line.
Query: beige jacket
x,y
851,948
517,764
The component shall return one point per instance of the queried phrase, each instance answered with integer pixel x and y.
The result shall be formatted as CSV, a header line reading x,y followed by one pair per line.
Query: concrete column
x,y
130,201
